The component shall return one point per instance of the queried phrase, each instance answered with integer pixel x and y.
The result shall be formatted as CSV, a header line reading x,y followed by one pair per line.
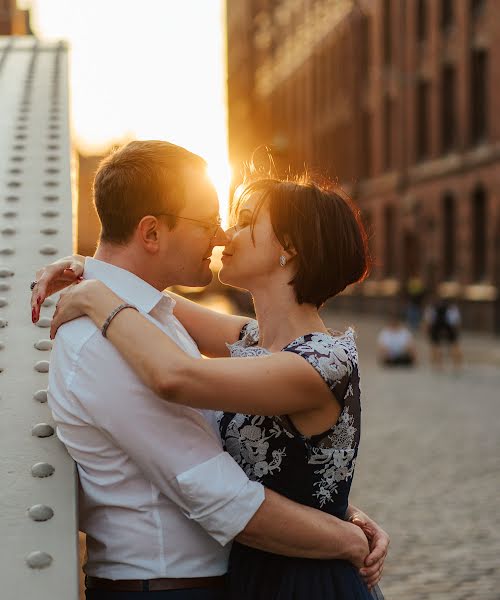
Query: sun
x,y
220,172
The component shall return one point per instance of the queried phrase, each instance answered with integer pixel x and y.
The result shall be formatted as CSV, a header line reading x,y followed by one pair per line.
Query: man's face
x,y
190,243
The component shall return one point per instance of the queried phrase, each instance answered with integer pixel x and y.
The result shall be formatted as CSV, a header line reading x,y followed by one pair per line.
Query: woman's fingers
x,y
51,279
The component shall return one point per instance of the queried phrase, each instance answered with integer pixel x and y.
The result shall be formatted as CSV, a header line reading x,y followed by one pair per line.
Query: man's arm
x,y
178,452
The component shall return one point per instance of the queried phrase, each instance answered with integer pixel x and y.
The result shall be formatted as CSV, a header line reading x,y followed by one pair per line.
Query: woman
x,y
289,410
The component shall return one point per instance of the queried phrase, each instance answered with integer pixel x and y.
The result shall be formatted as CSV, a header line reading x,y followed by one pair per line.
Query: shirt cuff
x,y
220,497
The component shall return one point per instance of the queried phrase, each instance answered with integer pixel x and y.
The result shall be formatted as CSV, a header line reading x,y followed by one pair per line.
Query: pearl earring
x,y
282,260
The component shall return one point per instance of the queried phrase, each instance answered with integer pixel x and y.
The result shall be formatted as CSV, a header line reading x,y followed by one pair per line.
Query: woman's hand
x,y
53,278
378,541
73,303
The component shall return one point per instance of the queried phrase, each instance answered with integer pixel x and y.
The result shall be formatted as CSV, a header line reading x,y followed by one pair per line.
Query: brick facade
x,y
396,99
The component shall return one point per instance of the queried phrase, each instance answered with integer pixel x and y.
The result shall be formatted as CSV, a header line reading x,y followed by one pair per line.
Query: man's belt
x,y
153,585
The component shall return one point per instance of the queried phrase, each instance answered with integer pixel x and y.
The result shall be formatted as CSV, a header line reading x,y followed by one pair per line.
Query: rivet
x,y
7,251
51,183
52,158
42,430
38,560
42,469
4,272
2,345
42,366
44,322
40,396
3,323
50,213
8,231
40,512
14,184
49,230
48,302
9,214
12,198
43,345
51,198
48,250
4,287
3,302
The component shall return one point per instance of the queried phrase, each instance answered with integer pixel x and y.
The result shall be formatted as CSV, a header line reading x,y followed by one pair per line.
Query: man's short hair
x,y
141,178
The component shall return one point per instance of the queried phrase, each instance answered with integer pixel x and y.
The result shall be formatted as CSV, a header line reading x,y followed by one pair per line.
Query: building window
x,y
448,100
388,132
478,96
387,31
389,240
446,14
422,120
476,8
365,46
449,229
478,222
366,145
421,20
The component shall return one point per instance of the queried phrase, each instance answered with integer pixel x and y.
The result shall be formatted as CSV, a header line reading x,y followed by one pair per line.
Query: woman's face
x,y
248,263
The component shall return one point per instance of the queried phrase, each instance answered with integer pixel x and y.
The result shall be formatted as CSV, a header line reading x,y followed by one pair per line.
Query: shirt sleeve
x,y
174,446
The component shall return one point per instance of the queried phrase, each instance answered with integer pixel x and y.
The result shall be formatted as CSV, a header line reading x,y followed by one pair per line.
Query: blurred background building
x,y
396,100
13,21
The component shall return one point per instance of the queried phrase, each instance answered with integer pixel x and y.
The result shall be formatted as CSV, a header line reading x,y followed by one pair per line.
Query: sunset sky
x,y
146,69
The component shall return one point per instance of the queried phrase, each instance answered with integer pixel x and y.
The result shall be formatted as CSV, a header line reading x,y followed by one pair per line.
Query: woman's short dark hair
x,y
139,179
324,228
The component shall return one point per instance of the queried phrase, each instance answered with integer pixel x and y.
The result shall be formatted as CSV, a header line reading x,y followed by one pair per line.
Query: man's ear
x,y
148,231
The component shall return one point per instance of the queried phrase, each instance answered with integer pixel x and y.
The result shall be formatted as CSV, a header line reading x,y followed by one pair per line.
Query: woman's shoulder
x,y
334,355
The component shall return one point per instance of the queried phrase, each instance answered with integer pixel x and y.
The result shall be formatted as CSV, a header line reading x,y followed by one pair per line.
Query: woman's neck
x,y
281,319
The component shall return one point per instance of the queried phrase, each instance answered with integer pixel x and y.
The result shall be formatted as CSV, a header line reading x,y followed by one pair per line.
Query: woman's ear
x,y
289,250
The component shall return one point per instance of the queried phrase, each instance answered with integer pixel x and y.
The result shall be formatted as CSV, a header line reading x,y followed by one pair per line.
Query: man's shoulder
x,y
74,336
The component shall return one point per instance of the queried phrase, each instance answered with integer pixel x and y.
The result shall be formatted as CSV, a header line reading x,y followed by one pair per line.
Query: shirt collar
x,y
128,286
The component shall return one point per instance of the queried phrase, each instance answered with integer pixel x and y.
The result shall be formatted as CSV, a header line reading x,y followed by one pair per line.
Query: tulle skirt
x,y
257,575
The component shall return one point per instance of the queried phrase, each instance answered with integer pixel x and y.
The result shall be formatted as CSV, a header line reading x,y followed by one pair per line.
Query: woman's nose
x,y
221,238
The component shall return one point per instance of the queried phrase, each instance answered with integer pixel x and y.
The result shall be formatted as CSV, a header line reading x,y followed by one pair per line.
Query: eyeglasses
x,y
211,226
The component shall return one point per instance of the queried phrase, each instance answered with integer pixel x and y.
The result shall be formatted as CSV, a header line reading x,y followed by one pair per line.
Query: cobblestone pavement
x,y
429,469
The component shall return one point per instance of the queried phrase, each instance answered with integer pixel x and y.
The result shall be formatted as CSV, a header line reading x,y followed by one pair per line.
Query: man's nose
x,y
221,238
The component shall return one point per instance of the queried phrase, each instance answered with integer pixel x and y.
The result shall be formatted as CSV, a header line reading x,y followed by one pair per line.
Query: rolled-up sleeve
x,y
220,496
173,446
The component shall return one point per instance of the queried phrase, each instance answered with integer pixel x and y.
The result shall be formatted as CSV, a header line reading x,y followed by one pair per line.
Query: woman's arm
x,y
210,329
280,383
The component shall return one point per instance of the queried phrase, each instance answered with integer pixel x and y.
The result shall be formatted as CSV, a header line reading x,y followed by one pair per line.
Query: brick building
x,y
396,99
13,21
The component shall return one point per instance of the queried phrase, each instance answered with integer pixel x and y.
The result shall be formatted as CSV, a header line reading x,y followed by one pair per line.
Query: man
x,y
396,345
160,501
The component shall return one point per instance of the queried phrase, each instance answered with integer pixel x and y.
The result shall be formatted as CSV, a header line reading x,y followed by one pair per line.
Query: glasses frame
x,y
215,225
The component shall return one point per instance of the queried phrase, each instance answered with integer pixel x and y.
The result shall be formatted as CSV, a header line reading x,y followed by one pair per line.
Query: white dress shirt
x,y
158,496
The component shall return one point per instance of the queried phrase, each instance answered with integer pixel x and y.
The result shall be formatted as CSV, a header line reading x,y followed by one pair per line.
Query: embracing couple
x,y
224,478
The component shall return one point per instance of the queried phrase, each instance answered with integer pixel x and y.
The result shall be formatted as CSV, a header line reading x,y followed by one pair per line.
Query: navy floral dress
x,y
316,471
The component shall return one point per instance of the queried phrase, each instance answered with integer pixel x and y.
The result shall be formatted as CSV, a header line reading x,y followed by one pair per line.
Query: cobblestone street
x,y
429,469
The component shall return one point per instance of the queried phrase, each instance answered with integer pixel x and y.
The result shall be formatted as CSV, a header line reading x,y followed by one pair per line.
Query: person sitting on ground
x,y
396,345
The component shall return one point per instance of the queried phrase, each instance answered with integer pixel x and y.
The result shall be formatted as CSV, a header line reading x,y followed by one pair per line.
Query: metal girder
x,y
38,522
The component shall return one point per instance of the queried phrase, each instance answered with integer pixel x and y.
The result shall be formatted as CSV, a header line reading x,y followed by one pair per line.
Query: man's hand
x,y
378,541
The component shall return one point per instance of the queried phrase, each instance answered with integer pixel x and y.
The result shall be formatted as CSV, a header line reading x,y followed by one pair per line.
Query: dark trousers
x,y
194,594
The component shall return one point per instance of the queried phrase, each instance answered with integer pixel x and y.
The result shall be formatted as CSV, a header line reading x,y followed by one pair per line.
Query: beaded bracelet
x,y
113,314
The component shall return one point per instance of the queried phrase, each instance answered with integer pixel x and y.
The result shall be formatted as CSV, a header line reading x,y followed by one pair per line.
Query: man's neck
x,y
125,257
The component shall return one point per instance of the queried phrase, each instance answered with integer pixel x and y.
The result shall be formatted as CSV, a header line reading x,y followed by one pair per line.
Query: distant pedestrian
x,y
442,319
415,292
396,345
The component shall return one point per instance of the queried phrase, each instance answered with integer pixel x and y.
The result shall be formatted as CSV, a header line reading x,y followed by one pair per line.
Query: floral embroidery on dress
x,y
248,444
270,449
338,460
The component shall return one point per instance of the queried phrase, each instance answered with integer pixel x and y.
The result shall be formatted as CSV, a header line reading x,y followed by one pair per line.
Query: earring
x,y
282,260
